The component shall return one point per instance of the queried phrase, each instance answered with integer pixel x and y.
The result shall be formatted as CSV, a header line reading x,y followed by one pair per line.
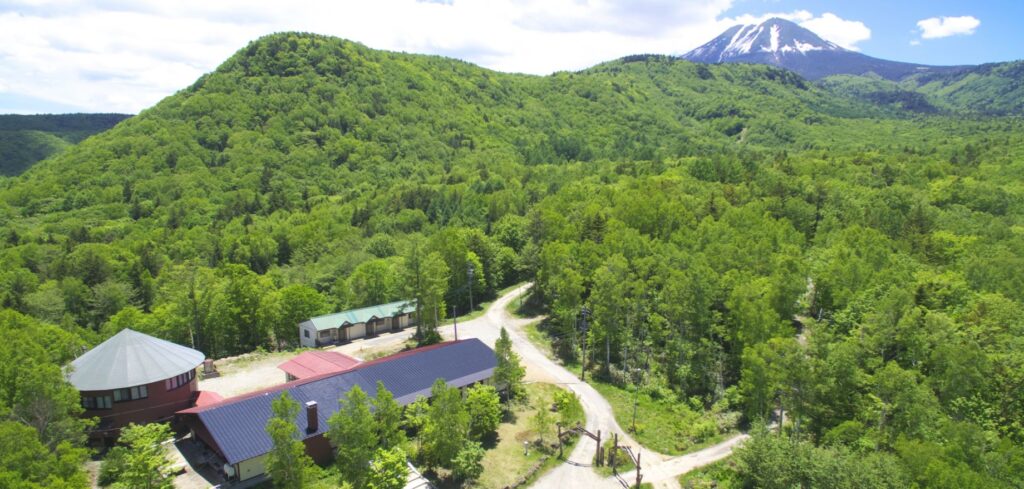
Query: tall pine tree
x,y
509,372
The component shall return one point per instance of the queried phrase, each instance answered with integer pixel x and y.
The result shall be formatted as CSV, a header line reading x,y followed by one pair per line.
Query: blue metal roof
x,y
362,315
238,426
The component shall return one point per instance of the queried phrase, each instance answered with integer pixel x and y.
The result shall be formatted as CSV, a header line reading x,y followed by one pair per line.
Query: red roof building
x,y
313,363
207,398
134,378
235,429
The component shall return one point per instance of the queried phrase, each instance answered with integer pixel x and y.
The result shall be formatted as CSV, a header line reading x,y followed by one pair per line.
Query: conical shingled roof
x,y
130,358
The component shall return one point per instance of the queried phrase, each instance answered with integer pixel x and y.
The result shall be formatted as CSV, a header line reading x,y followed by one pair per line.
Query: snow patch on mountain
x,y
804,47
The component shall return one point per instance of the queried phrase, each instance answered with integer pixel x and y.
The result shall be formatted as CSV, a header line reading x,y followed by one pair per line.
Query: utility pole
x,y
469,274
455,322
584,315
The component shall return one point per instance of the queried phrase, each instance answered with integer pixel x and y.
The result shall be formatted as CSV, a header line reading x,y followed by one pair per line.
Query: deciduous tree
x,y
353,431
447,426
287,462
484,407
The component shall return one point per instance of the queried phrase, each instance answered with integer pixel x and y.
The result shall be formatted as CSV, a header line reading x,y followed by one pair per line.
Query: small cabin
x,y
344,326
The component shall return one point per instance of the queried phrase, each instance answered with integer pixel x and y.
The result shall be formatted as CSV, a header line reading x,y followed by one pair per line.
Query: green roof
x,y
356,316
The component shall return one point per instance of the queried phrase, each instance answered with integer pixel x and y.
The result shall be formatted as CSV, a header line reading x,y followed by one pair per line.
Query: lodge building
x,y
349,325
235,428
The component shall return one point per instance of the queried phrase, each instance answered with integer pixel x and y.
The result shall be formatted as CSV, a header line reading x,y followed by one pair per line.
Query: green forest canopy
x,y
696,209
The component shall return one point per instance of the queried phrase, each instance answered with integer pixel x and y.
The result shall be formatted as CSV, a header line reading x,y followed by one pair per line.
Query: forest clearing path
x,y
576,472
658,469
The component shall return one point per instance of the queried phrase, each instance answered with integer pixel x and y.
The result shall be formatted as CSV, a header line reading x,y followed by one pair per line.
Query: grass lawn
x,y
722,474
506,464
541,341
525,306
664,425
668,425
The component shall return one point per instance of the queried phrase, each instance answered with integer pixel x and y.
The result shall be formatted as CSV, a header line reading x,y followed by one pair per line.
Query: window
x,y
180,380
96,402
306,332
131,393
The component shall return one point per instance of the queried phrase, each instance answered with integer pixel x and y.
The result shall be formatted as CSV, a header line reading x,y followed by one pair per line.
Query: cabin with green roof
x,y
349,325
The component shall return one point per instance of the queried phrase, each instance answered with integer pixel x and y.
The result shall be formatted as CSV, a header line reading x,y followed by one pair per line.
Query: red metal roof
x,y
207,398
312,363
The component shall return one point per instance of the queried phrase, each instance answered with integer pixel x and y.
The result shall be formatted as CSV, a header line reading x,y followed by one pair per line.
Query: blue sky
x,y
893,24
126,55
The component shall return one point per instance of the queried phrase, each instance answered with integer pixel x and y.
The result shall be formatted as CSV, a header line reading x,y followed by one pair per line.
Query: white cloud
x,y
125,55
831,27
937,27
846,33
120,55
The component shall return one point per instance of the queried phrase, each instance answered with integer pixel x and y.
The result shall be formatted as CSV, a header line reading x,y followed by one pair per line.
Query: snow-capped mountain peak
x,y
784,44
775,36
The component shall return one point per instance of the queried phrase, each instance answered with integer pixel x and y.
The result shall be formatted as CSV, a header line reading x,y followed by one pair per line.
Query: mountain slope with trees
x,y
26,139
706,214
994,89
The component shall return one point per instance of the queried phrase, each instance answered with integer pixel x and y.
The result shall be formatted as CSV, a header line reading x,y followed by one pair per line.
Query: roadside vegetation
x,y
719,475
664,422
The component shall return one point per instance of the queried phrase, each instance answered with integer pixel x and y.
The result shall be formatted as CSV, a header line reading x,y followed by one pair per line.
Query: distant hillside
x,y
993,88
881,92
989,89
26,139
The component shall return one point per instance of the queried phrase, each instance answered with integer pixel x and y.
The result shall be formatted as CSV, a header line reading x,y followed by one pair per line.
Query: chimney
x,y
312,422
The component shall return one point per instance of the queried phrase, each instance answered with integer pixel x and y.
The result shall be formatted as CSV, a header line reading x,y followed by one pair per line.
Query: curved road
x,y
658,469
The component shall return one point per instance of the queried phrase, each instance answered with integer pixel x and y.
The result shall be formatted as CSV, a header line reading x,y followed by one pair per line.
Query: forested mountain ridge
x,y
26,139
696,209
